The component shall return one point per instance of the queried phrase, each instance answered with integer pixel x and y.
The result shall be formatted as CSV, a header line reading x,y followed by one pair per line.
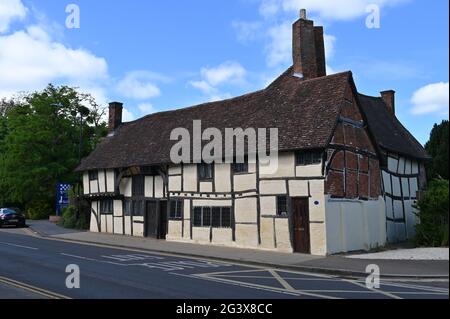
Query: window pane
x,y
226,217
179,212
281,205
197,216
137,185
216,220
206,216
205,171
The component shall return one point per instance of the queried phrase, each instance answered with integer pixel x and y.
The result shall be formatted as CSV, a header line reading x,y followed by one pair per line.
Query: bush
x,y
433,214
38,209
70,220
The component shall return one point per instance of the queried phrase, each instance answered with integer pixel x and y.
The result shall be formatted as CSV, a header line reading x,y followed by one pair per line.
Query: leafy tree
x,y
433,214
45,136
437,147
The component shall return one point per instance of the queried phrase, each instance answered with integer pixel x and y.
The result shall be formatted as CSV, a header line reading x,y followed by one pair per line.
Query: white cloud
x,y
432,98
146,108
10,10
247,31
214,78
325,9
127,116
30,59
140,85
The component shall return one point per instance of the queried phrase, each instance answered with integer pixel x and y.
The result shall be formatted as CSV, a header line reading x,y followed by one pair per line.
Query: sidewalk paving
x,y
334,265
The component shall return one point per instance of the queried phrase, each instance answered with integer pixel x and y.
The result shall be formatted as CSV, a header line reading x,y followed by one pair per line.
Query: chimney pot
x,y
389,100
115,115
303,14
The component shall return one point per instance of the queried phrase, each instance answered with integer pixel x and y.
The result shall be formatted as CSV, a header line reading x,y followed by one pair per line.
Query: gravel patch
x,y
407,254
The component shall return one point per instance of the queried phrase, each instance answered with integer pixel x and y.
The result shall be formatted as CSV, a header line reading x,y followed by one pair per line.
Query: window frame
x,y
315,157
109,207
203,178
280,213
179,209
93,175
138,186
244,168
209,220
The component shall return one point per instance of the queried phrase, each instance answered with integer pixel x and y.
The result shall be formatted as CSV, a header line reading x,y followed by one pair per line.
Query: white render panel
x,y
268,205
159,187
398,209
389,208
396,186
415,167
309,171
110,181
201,234
86,183
175,183
101,182
222,178
401,165
245,210
298,188
118,208
175,229
190,178
247,236
206,187
286,166
222,236
283,238
118,225
175,170
392,164
138,228
405,187
408,170
414,187
387,182
244,182
148,186
270,187
127,225
267,233
94,225
94,186
211,203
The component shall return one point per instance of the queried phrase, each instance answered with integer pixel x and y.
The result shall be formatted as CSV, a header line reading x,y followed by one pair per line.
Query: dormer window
x,y
205,171
93,175
304,158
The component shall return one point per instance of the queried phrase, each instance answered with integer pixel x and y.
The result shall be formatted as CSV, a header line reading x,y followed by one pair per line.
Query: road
x,y
34,267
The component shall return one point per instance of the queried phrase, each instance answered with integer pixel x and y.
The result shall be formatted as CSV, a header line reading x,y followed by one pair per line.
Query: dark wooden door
x,y
151,219
162,220
300,212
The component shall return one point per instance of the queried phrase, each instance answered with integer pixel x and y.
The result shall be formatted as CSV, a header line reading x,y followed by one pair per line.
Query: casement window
x,y
107,207
216,217
303,158
93,175
133,207
176,209
205,171
282,206
138,185
240,168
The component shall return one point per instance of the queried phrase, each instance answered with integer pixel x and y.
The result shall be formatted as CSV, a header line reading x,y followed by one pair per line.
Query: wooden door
x,y
151,219
162,220
300,218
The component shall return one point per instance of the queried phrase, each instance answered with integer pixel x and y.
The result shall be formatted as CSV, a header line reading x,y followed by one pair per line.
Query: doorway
x,y
156,219
300,220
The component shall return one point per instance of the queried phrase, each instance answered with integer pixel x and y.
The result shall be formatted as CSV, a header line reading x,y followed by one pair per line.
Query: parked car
x,y
12,217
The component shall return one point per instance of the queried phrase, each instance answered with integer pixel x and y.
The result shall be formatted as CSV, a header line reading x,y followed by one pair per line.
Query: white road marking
x,y
388,294
283,282
20,246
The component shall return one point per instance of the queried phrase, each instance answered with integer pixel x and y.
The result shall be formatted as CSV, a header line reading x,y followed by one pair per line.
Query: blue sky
x,y
161,55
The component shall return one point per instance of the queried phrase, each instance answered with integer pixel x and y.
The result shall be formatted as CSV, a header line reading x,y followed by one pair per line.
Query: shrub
x,y
38,209
433,214
70,220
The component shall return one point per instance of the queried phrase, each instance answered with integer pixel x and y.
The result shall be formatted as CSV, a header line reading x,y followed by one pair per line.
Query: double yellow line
x,y
39,291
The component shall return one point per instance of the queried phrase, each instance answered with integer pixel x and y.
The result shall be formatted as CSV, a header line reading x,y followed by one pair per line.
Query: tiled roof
x,y
389,133
304,111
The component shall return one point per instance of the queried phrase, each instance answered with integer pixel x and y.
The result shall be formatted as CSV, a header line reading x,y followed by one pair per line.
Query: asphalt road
x,y
32,267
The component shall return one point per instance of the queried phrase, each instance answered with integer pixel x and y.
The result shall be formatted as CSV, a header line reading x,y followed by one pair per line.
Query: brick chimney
x,y
308,49
389,100
115,115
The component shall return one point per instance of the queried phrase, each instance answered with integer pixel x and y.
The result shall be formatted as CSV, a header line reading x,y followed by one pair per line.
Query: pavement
x,y
33,266
407,254
332,265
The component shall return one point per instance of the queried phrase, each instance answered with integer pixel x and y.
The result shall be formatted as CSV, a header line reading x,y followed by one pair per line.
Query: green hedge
x,y
70,220
433,213
38,209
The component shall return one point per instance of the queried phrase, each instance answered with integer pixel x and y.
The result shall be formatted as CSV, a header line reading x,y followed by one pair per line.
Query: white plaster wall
x,y
118,225
94,186
309,171
298,188
283,238
396,186
211,203
222,177
148,186
109,223
271,187
392,164
201,234
175,229
110,180
405,187
355,225
86,183
387,182
138,228
175,170
268,205
415,167
206,187
175,183
159,187
244,182
267,233
102,181
127,225
245,210
286,166
247,236
190,178
93,226
401,165
222,236
414,186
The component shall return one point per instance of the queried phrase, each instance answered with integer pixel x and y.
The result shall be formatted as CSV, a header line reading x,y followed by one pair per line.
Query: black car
x,y
11,217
